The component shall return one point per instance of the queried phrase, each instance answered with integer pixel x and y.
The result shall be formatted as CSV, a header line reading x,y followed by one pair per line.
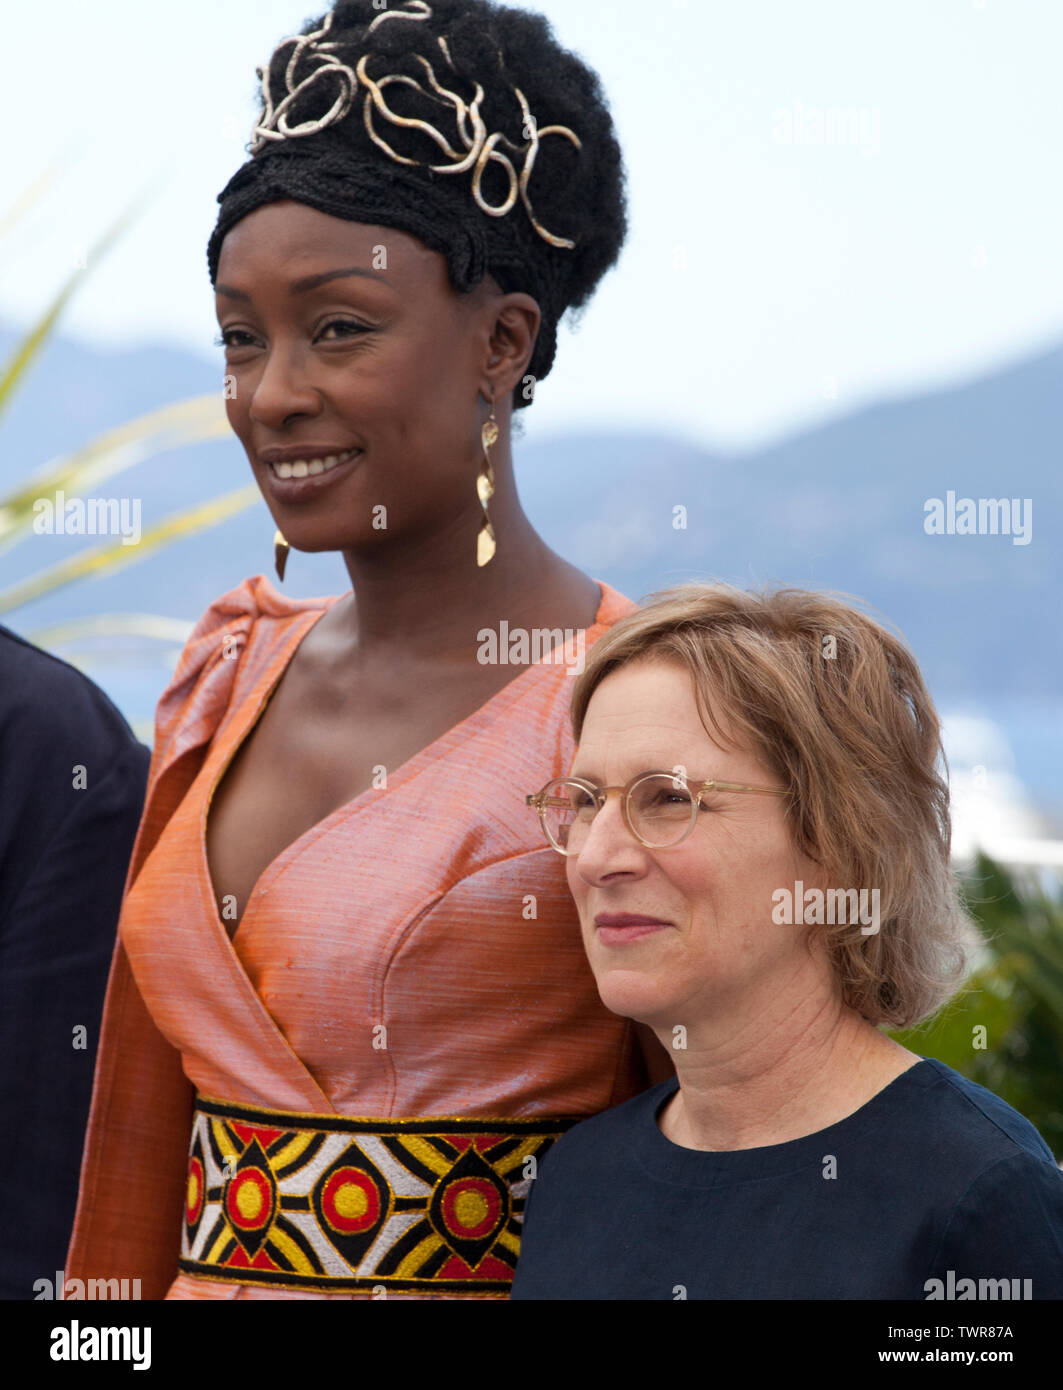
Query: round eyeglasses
x,y
659,808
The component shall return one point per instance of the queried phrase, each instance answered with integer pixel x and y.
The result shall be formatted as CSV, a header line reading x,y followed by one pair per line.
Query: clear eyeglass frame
x,y
544,803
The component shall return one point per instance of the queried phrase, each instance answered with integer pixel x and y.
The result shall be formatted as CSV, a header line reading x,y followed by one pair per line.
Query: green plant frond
x,y
36,191
151,625
170,635
986,1000
35,339
194,421
1017,997
990,891
105,559
1041,980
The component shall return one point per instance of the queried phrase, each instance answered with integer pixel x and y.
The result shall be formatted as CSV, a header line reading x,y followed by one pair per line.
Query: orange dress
x,y
414,955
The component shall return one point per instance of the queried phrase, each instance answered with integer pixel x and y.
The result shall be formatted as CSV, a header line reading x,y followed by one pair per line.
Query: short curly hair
x,y
577,194
836,707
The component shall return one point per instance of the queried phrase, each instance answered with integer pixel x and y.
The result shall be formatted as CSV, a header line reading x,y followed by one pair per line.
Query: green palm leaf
x,y
33,194
104,559
35,339
1017,999
194,421
59,636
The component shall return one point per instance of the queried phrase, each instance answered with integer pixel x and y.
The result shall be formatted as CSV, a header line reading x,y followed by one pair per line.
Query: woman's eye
x,y
229,339
355,328
670,796
222,340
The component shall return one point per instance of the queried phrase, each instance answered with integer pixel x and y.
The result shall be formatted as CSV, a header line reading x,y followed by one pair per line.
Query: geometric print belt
x,y
337,1204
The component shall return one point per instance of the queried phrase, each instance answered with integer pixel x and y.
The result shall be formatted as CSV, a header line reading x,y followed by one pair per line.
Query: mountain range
x,y
844,505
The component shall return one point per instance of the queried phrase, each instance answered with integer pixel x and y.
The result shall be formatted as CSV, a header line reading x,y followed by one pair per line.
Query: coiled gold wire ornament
x,y
479,147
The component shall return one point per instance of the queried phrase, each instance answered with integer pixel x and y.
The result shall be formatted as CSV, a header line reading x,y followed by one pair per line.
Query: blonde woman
x,y
756,835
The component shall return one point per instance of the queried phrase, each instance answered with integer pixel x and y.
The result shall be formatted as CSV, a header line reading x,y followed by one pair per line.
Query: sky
x,y
782,269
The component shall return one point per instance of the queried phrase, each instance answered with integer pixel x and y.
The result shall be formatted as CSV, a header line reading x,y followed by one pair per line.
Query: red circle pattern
x,y
192,1210
482,1188
262,1215
350,1177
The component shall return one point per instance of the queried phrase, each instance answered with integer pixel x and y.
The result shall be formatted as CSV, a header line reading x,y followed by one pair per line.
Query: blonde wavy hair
x,y
835,705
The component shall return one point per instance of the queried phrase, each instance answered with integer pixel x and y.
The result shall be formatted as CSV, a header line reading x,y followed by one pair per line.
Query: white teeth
x,y
311,468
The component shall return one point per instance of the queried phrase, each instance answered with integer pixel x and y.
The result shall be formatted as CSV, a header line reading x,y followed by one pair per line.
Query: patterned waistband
x,y
337,1204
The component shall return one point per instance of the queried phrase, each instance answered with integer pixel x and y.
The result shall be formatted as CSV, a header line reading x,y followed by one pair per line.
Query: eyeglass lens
x,y
660,808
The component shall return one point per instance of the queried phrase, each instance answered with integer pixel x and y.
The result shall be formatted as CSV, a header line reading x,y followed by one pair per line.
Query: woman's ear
x,y
513,337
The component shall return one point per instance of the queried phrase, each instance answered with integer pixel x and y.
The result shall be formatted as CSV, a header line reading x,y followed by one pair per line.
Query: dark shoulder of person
x,y
934,1174
74,777
1004,1236
54,721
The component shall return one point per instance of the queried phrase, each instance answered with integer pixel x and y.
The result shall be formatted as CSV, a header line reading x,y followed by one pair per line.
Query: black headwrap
x,y
340,170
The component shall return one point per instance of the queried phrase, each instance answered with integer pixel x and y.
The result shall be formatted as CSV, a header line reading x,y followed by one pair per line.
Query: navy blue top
x,y
64,855
934,1174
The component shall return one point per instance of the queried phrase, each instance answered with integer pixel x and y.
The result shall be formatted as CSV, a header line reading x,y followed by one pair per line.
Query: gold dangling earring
x,y
485,490
280,554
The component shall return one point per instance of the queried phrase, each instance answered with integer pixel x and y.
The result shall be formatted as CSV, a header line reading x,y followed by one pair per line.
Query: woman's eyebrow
x,y
309,282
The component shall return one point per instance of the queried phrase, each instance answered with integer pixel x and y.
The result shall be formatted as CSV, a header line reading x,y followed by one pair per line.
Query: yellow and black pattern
x,y
337,1203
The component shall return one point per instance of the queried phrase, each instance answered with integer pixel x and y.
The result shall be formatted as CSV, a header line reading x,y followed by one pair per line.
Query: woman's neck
x,y
416,602
778,1079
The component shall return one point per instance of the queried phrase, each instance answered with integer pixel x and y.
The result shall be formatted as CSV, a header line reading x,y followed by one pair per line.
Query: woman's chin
x,y
637,994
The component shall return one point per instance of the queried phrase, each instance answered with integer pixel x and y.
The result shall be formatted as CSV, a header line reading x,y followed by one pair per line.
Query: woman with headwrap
x,y
349,1009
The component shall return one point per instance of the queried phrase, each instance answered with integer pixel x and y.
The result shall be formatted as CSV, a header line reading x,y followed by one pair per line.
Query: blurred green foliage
x,y
1016,997
169,427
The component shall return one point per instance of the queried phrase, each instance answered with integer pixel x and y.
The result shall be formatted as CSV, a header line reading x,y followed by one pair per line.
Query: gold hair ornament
x,y
480,148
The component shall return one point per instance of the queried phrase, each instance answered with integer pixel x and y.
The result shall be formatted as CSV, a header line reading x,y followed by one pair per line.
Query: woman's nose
x,y
608,844
283,389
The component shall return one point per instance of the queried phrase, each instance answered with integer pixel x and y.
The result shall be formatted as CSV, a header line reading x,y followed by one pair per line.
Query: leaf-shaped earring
x,y
485,490
280,554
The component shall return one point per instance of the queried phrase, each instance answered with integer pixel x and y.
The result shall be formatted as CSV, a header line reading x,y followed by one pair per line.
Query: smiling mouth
x,y
311,468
